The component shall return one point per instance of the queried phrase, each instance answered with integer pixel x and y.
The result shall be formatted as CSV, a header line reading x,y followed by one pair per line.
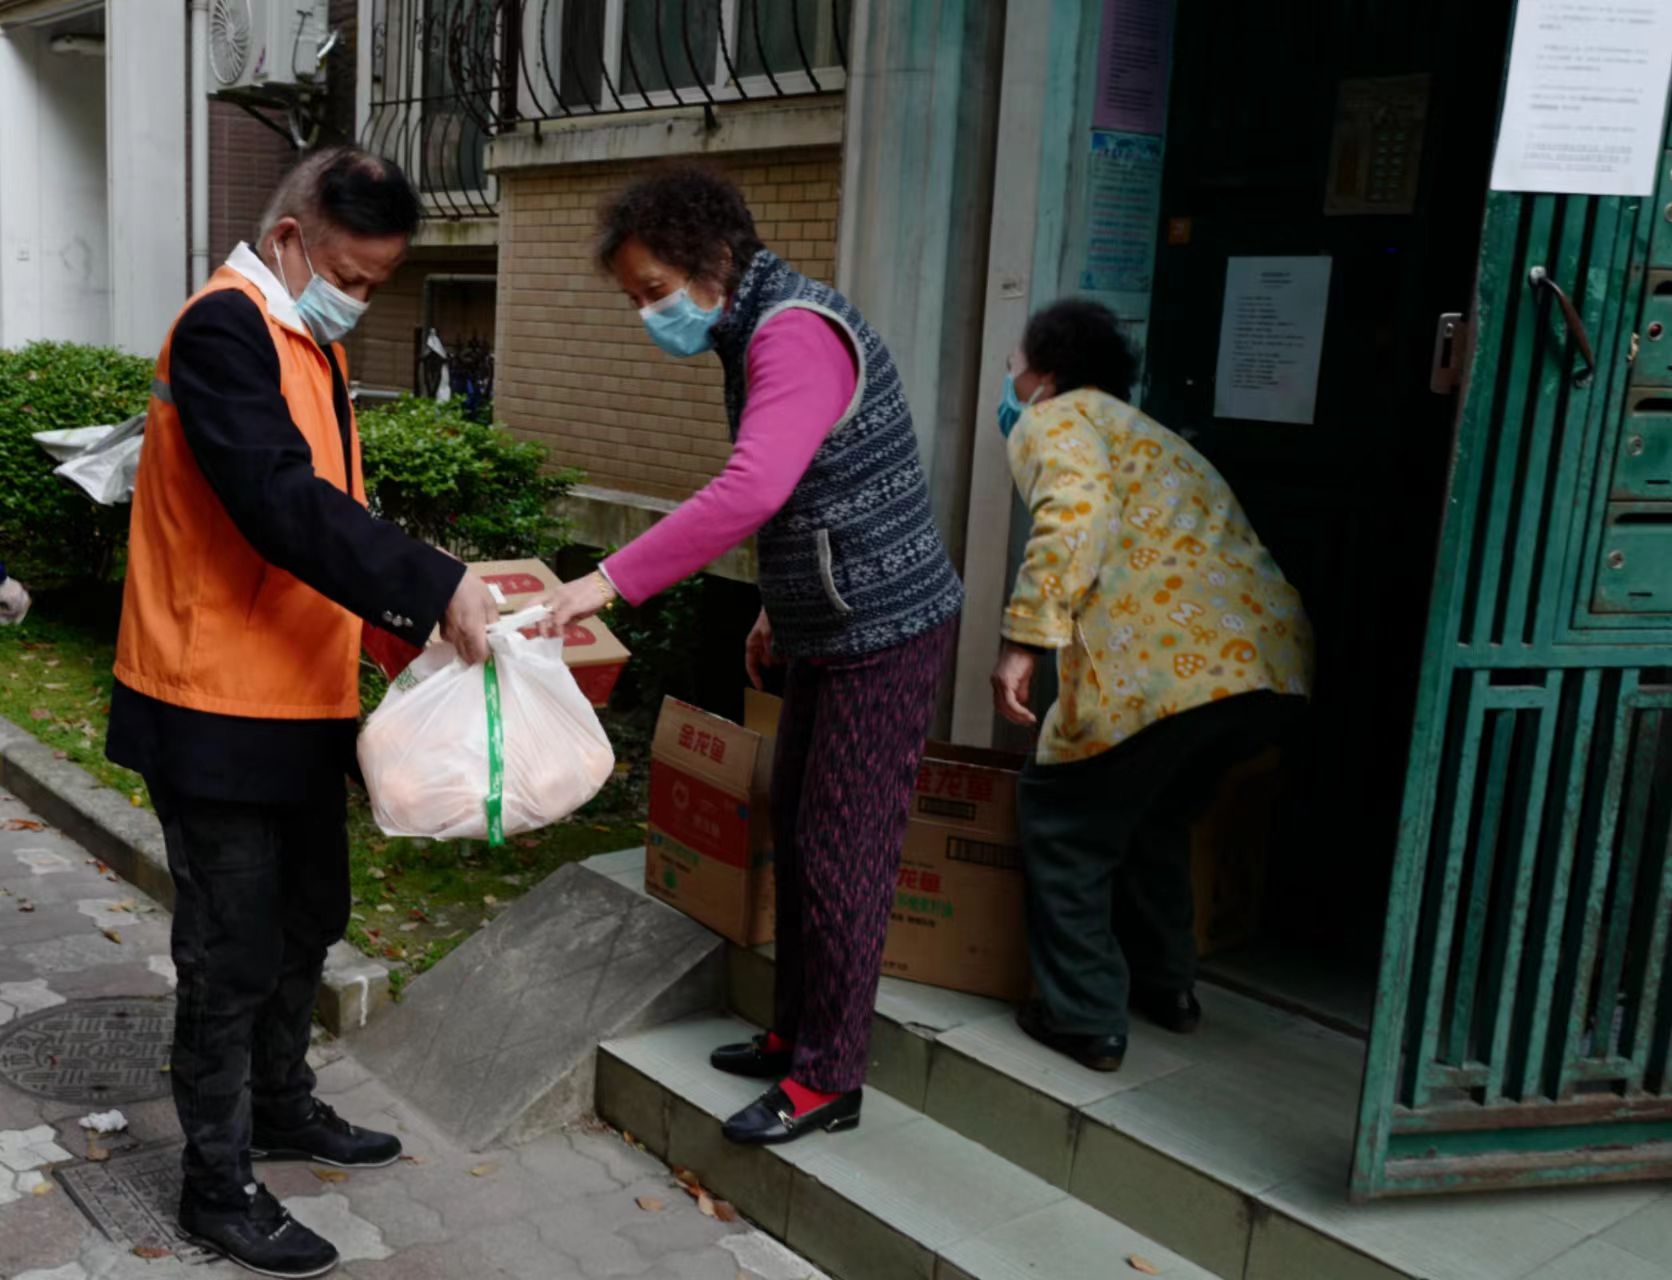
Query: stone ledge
x,y
614,517
778,124
129,841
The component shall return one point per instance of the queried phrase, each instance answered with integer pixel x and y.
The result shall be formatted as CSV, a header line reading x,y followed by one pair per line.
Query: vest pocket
x,y
827,572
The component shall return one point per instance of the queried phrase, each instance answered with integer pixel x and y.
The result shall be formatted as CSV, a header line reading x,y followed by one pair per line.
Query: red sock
x,y
804,1099
776,1043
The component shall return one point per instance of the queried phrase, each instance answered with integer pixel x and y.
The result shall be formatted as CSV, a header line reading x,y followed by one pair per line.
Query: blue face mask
x,y
679,326
1010,408
329,313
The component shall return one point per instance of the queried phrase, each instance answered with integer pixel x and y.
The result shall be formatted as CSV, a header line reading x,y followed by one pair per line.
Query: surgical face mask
x,y
1010,408
678,325
329,313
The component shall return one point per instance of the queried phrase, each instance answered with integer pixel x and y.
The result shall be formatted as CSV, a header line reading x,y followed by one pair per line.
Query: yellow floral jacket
x,y
1143,573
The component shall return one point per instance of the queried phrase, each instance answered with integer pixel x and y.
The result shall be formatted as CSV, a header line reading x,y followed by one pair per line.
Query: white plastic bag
x,y
103,461
425,751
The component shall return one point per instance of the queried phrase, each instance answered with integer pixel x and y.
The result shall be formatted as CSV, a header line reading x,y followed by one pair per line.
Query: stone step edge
x,y
129,840
734,1172
744,967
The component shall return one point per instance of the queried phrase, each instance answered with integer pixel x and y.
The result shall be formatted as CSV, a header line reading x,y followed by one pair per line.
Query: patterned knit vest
x,y
852,563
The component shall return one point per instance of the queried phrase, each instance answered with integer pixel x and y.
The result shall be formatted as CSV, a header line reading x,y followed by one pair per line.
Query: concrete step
x,y
904,1197
496,1043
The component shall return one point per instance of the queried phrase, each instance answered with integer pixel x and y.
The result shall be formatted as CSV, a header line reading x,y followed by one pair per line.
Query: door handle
x,y
1451,340
1539,278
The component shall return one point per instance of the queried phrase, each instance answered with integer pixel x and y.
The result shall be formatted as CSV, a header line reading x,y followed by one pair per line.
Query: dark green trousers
x,y
1106,845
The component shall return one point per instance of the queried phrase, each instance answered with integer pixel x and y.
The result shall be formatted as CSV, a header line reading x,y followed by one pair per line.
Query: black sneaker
x,y
325,1137
262,1237
1177,1011
1098,1052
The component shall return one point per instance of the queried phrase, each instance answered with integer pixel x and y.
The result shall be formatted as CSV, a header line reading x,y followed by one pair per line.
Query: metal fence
x,y
448,75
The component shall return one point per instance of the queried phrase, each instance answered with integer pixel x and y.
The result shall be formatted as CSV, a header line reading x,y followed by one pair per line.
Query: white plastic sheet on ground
x,y
424,751
102,461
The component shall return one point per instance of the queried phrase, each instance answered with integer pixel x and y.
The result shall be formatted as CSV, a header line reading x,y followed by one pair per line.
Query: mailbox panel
x,y
1643,468
1635,575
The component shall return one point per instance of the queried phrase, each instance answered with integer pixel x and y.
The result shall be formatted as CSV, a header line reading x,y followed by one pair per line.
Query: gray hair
x,y
344,189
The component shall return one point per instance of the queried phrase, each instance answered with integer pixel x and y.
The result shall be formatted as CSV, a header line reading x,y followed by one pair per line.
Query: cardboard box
x,y
708,847
1229,849
959,918
591,650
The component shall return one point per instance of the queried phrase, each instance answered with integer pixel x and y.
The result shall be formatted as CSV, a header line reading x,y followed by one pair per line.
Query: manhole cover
x,y
133,1197
101,1051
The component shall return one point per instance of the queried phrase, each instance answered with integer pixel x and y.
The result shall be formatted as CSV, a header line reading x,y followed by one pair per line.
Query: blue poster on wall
x,y
1123,210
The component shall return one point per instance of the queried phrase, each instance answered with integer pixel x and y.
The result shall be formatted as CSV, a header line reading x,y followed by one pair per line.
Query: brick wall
x,y
246,161
575,369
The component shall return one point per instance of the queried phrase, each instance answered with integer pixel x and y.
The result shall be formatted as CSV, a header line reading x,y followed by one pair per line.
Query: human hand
x,y
1012,683
576,601
14,602
469,614
757,651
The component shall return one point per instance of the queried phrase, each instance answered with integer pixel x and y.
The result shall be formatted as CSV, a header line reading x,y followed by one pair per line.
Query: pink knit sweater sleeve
x,y
801,381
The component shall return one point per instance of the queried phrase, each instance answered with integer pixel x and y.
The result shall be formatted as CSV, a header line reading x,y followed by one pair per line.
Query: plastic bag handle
x,y
515,622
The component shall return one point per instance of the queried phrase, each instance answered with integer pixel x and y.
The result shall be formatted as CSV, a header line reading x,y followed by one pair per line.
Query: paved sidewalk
x,y
565,1206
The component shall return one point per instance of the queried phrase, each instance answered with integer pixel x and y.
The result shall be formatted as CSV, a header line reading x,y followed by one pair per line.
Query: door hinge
x,y
1451,353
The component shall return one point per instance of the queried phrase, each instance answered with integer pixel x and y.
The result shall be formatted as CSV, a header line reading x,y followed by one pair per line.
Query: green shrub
x,y
474,489
50,531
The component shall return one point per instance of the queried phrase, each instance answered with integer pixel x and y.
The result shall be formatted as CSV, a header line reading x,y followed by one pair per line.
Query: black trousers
x,y
260,893
1106,846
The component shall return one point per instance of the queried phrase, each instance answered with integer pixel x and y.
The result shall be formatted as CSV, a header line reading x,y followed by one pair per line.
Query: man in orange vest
x,y
252,567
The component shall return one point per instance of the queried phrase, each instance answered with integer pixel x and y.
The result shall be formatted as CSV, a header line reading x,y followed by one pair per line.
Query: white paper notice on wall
x,y
1271,338
1585,104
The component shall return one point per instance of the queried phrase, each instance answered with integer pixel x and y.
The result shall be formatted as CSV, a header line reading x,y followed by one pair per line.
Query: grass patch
x,y
413,900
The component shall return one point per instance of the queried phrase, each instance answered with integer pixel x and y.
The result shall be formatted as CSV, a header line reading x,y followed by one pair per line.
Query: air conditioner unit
x,y
268,44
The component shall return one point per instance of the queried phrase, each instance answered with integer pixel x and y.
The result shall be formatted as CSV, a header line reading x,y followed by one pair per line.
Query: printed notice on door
x,y
1586,98
1134,54
1271,339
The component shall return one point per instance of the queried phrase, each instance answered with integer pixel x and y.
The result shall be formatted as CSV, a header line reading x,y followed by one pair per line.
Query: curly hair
x,y
688,216
1079,342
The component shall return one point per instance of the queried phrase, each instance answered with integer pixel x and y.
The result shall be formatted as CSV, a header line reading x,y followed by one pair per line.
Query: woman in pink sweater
x,y
858,594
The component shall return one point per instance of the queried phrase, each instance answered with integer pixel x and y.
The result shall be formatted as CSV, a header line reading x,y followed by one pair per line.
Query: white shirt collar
x,y
280,305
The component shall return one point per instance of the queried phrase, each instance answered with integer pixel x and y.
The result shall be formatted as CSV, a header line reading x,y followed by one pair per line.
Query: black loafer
x,y
262,1237
1177,1011
327,1138
752,1059
1099,1053
770,1119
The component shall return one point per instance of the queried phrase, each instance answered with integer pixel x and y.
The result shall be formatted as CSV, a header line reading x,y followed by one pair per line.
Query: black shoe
x,y
1172,1010
263,1237
327,1138
1099,1053
752,1059
770,1119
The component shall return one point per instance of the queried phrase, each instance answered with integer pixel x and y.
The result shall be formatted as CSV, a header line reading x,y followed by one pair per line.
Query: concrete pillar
x,y
145,90
917,184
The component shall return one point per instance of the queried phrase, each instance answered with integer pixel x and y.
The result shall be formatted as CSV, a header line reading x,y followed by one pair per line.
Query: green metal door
x,y
1523,1026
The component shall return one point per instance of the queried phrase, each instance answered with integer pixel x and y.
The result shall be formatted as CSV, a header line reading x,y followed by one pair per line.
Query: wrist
x,y
607,594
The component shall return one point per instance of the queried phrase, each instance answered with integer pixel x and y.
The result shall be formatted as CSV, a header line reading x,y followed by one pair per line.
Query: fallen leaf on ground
x,y
330,1175
135,801
152,1251
376,873
627,1136
25,905
483,1170
409,926
42,1189
1142,1265
687,1177
60,755
413,1159
25,824
489,900
39,713
724,1211
112,934
650,1204
705,1205
54,687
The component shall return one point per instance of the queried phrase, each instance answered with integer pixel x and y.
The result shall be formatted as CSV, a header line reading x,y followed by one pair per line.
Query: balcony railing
x,y
446,76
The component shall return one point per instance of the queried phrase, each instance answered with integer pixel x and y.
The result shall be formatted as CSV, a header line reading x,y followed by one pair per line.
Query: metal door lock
x,y
1634,446
1616,559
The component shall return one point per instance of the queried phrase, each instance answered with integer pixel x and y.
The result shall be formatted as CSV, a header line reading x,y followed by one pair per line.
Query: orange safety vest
x,y
206,622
